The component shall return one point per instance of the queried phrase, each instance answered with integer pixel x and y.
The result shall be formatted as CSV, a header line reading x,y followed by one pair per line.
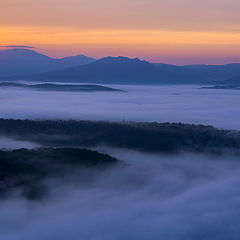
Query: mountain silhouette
x,y
59,87
233,81
26,61
216,72
121,70
27,64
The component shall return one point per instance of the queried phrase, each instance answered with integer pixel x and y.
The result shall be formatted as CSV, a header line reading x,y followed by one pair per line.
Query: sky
x,y
171,31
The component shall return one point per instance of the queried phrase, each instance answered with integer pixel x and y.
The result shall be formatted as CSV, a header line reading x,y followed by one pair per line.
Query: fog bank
x,y
187,104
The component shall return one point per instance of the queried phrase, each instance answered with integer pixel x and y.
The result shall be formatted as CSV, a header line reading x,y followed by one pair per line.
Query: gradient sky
x,y
171,31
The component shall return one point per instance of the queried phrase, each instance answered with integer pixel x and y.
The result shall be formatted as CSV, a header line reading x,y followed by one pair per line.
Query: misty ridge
x,y
56,150
25,170
146,137
18,61
26,64
57,87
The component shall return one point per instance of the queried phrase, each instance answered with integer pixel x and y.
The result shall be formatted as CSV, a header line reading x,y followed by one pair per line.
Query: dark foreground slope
x,y
149,137
31,172
26,170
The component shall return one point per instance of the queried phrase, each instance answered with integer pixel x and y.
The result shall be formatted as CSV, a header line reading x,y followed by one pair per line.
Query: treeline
x,y
27,170
150,137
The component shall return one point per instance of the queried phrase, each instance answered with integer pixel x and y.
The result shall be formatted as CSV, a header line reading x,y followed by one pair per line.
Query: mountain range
x,y
25,64
26,61
233,81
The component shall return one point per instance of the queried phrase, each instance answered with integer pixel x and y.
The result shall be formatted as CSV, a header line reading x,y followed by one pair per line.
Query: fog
x,y
154,197
172,197
11,143
187,104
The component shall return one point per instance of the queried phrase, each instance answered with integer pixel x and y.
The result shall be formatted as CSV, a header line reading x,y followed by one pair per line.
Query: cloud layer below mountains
x,y
186,104
184,197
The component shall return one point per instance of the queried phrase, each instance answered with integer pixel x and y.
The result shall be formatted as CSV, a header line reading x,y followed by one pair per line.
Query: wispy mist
x,y
182,196
10,143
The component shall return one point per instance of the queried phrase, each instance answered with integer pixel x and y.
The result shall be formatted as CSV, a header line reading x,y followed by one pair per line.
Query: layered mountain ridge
x,y
26,61
26,64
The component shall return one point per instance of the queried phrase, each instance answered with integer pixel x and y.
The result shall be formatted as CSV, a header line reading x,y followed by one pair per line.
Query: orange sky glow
x,y
173,31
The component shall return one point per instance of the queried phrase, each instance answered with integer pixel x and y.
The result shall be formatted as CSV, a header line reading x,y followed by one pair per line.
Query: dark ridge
x,y
25,170
148,137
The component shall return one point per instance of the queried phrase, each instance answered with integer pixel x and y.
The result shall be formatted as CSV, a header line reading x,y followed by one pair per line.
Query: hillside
x,y
216,72
121,70
27,170
26,61
233,81
148,137
58,87
26,64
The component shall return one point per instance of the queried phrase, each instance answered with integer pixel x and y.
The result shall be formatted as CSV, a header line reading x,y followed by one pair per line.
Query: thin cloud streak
x,y
16,46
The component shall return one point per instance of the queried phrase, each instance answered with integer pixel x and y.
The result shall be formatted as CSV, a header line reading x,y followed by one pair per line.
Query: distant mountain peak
x,y
21,52
18,61
120,59
17,50
79,57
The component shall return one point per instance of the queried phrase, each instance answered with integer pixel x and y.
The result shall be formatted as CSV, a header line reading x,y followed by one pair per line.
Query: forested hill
x,y
28,170
150,137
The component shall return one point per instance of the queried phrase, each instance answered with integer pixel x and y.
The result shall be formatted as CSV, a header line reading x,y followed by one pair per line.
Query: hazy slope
x,y
31,65
216,72
121,70
233,81
59,87
25,61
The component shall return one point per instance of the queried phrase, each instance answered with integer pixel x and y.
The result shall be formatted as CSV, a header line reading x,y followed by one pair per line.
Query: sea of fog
x,y
185,103
154,196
